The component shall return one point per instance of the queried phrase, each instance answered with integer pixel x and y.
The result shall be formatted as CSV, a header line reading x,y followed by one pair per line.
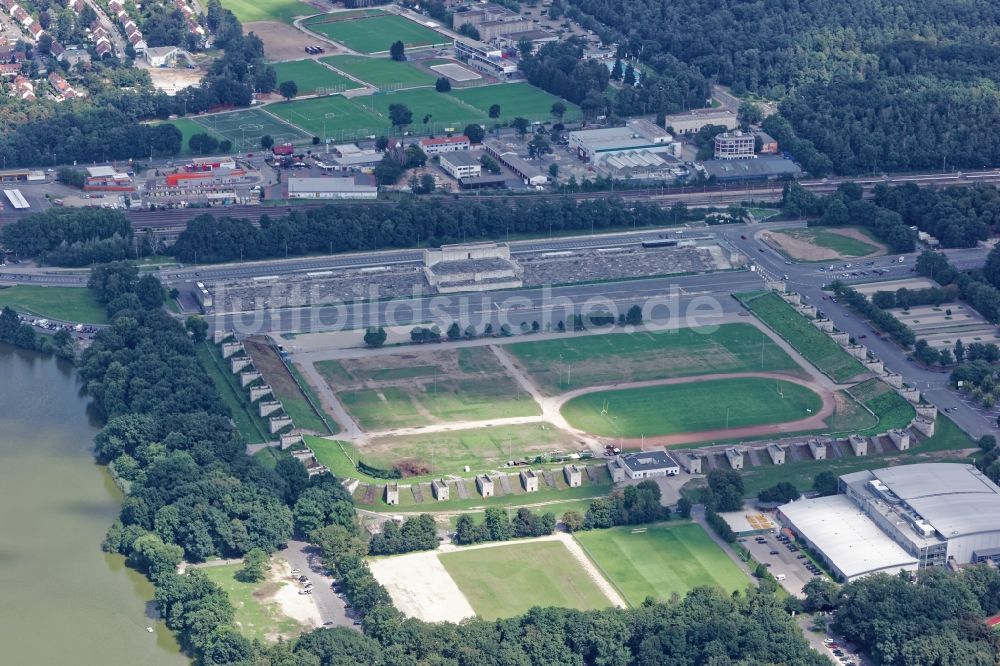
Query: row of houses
x,y
190,17
132,33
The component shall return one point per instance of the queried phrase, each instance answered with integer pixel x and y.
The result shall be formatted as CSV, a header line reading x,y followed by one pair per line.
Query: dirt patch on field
x,y
283,41
797,244
421,587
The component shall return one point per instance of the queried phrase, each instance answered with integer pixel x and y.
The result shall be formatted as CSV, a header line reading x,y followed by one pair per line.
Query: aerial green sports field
x,y
311,76
344,120
690,407
442,109
268,10
509,580
660,560
561,364
515,99
375,34
383,73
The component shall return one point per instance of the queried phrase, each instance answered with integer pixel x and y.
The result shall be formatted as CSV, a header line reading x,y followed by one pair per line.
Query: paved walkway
x,y
349,428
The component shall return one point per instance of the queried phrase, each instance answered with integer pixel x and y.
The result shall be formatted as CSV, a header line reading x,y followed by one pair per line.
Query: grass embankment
x,y
815,346
944,446
250,425
72,304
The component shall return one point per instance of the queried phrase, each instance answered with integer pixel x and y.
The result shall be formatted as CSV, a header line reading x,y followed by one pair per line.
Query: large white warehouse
x,y
903,517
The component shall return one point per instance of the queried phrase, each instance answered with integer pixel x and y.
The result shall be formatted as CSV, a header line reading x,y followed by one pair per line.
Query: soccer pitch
x,y
383,73
310,76
245,128
268,10
691,407
505,581
660,560
515,99
344,120
443,110
375,34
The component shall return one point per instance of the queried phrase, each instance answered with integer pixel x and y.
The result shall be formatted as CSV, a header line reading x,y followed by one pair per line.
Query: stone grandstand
x,y
620,262
463,268
471,267
319,288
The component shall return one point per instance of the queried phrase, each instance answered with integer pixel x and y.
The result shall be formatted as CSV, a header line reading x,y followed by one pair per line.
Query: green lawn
x,y
444,110
375,34
892,409
189,128
342,119
509,580
310,76
383,73
250,425
246,127
558,364
442,401
816,346
480,448
515,99
254,618
302,413
660,561
940,448
694,407
830,239
72,304
268,10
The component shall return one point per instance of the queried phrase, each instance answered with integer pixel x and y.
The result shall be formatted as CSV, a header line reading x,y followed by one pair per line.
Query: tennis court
x,y
336,117
375,34
383,73
515,99
312,77
245,128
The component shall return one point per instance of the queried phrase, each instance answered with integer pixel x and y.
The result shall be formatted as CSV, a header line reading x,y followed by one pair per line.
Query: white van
x,y
779,577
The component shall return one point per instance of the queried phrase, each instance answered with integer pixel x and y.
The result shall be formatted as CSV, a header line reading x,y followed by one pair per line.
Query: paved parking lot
x,y
784,562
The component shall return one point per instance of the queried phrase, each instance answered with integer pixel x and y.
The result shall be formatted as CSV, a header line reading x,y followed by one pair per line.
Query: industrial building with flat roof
x,y
636,135
691,122
936,513
461,165
765,167
648,464
357,187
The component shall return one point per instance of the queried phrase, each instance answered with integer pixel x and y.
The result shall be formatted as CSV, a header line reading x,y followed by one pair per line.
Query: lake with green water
x,y
62,600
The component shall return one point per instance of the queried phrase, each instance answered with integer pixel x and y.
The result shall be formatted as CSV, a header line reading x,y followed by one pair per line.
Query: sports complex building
x,y
901,518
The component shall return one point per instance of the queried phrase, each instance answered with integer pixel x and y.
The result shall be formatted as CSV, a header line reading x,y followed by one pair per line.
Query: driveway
x,y
300,555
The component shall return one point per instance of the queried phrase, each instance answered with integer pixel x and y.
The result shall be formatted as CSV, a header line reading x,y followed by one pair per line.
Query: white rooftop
x,y
327,185
848,538
955,499
101,171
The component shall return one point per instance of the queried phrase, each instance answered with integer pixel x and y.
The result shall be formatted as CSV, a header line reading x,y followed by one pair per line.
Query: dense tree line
x,y
939,619
882,320
956,216
667,85
410,223
847,208
417,533
23,335
724,491
632,505
989,462
781,492
498,526
860,91
907,298
69,237
974,287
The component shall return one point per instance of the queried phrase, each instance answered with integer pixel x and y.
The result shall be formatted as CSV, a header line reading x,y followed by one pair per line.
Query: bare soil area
x,y
804,250
283,41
